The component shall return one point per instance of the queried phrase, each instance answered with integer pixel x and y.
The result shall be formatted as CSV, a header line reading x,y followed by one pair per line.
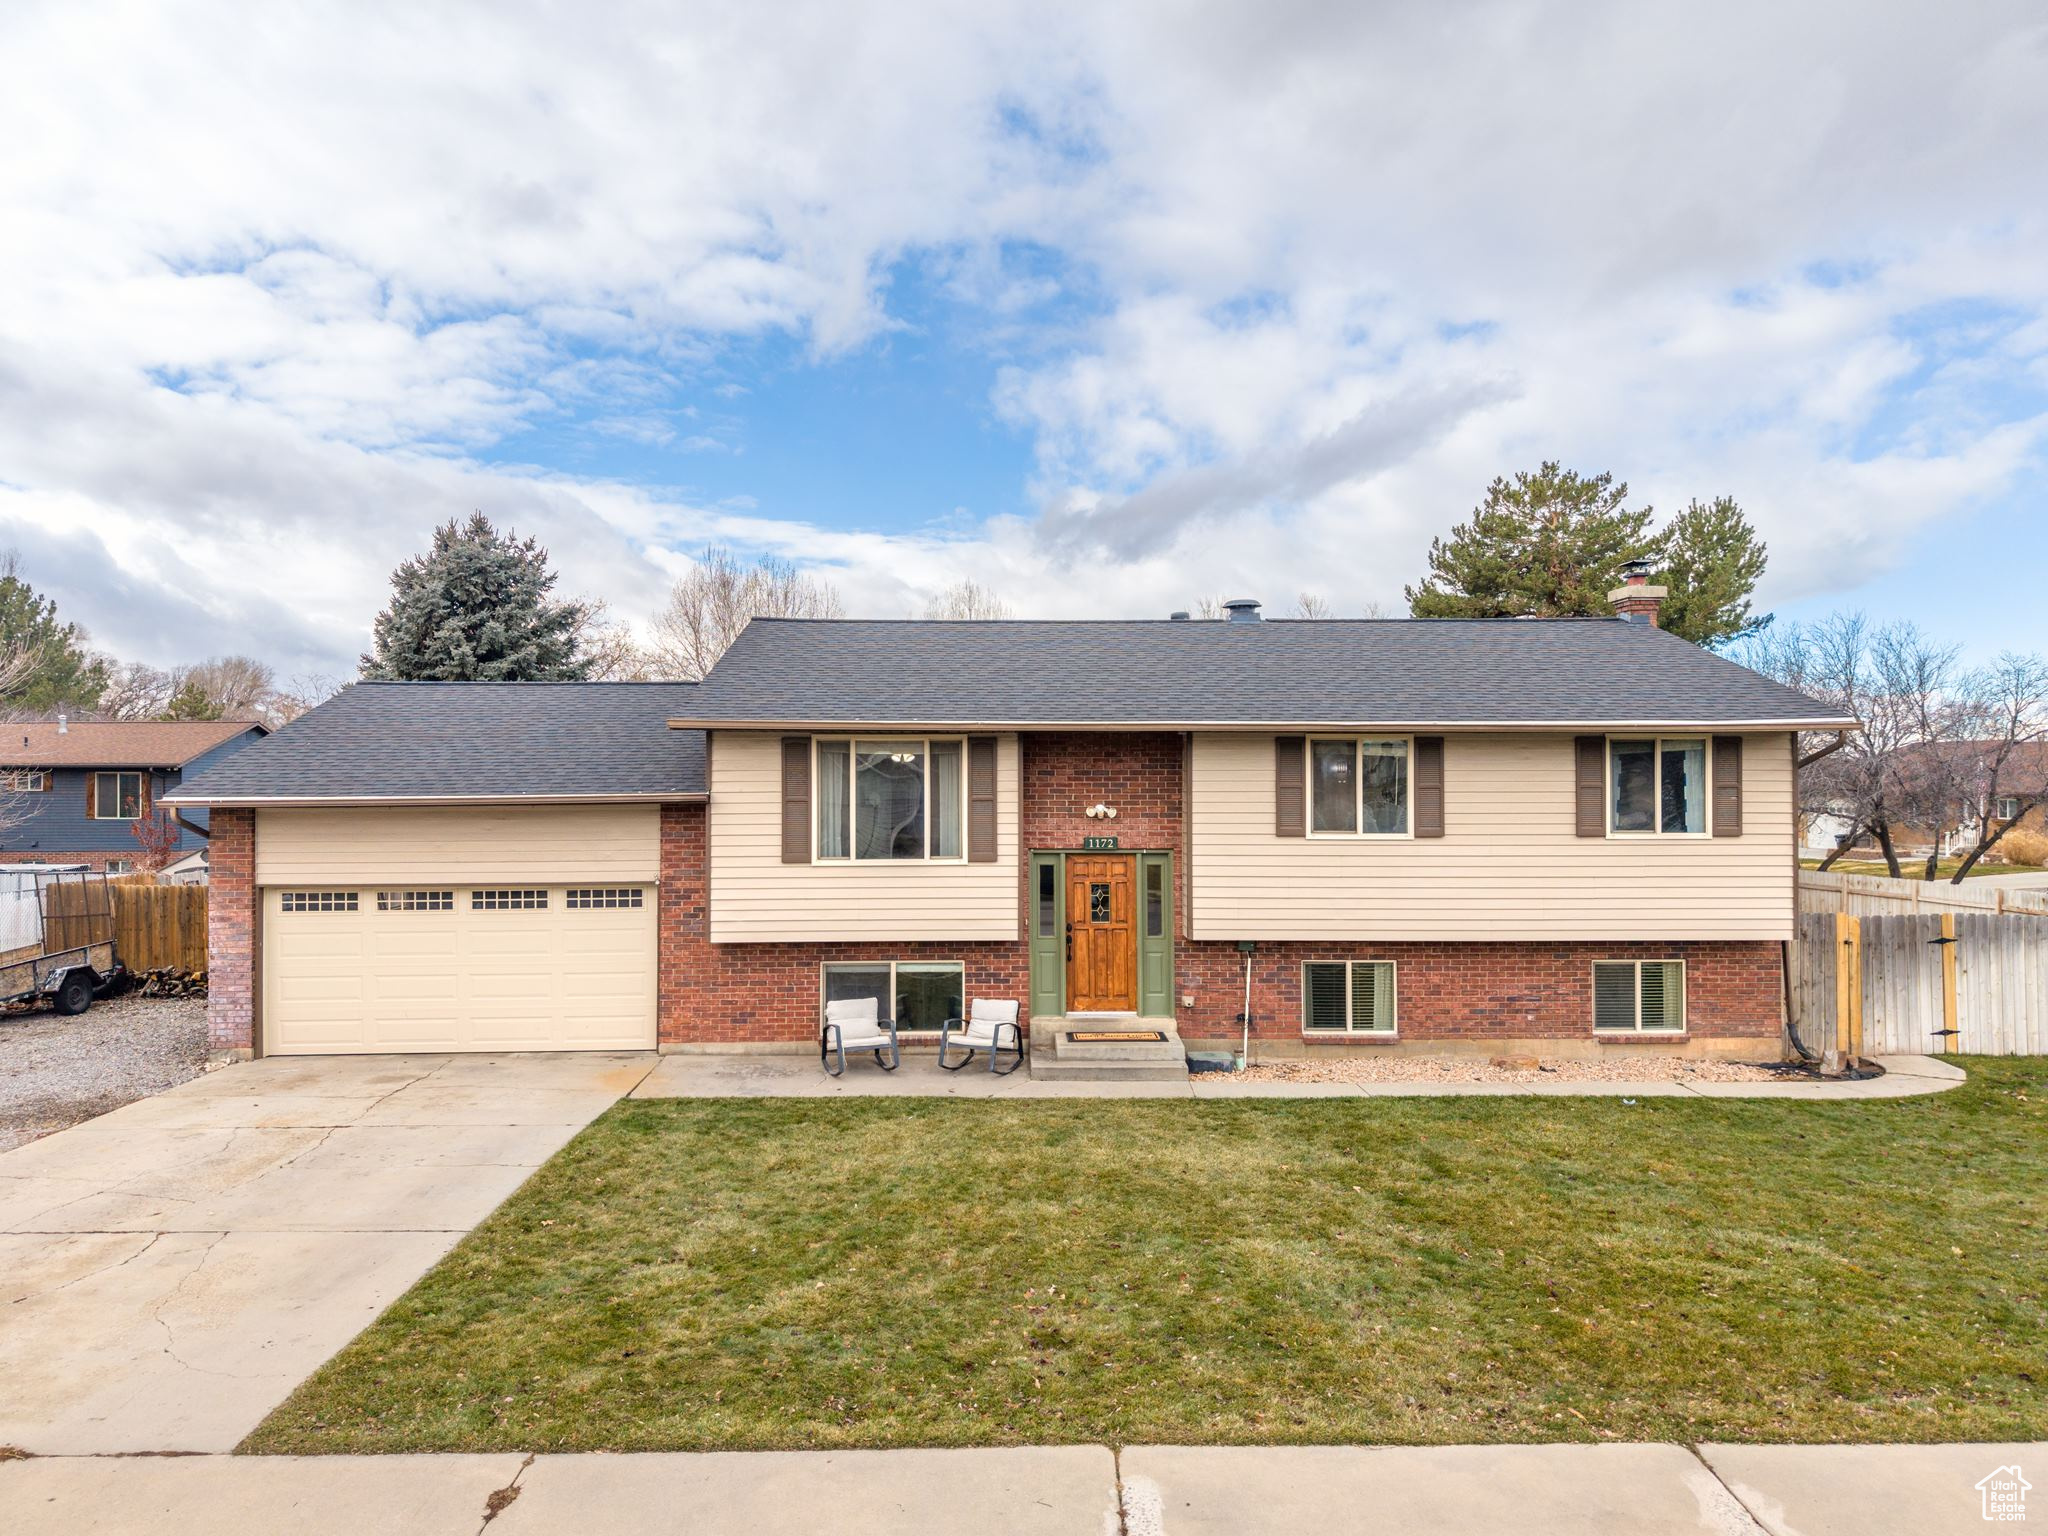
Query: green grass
x,y
1914,869
696,1274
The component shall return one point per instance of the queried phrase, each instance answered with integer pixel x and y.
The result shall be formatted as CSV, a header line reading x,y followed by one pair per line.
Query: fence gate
x,y
1914,984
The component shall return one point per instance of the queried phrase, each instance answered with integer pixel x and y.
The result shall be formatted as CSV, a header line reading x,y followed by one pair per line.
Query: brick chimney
x,y
1635,600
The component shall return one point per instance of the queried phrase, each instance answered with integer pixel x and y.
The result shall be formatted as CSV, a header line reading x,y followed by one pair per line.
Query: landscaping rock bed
x,y
57,1071
1421,1069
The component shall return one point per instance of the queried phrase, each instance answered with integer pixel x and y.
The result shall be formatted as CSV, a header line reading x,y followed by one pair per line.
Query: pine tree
x,y
476,608
1711,563
1548,543
191,702
56,669
1552,544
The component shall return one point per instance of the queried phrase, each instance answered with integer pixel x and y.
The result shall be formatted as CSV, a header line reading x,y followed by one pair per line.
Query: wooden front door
x,y
1102,934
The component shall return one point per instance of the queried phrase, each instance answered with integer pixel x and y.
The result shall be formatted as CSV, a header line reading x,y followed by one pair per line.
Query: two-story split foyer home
x,y
1563,836
73,791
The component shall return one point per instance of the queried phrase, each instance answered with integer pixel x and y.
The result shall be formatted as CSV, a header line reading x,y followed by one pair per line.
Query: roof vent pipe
x,y
1242,610
63,723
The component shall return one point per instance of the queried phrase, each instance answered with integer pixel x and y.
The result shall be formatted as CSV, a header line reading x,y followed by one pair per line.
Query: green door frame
x,y
1046,920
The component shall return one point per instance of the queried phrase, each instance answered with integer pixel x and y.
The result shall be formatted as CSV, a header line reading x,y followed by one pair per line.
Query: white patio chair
x,y
856,1025
990,1026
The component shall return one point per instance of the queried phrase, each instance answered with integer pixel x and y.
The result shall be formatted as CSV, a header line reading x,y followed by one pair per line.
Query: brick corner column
x,y
231,933
682,948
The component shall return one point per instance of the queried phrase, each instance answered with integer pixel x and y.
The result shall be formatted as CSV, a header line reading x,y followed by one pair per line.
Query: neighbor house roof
x,y
114,743
427,742
1473,673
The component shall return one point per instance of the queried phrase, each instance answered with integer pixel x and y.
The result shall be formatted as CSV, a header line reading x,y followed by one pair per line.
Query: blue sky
x,y
1109,311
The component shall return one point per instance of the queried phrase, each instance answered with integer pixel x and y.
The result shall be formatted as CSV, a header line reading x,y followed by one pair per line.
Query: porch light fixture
x,y
1100,812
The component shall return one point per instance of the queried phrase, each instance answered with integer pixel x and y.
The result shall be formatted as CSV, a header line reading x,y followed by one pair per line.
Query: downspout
x,y
1785,947
1244,1050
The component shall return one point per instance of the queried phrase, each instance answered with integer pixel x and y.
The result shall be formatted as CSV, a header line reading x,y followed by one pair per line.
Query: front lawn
x,y
693,1274
1915,869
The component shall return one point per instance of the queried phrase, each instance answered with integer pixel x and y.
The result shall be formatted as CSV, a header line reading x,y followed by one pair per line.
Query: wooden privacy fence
x,y
154,925
1882,896
1975,982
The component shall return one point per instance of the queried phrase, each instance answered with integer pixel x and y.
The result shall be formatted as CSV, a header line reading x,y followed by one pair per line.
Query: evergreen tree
x,y
56,670
1552,544
476,608
1711,563
1548,543
191,702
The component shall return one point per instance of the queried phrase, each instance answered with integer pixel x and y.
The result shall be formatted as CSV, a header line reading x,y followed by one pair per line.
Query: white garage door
x,y
458,968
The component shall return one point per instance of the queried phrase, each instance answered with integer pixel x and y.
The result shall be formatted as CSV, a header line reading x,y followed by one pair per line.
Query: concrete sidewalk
x,y
1553,1490
749,1076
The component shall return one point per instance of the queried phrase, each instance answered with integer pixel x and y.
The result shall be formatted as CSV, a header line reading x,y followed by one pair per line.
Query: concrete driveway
x,y
170,1271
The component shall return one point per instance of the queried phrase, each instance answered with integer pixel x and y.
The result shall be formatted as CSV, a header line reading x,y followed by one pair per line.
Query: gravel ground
x,y
56,1071
1422,1069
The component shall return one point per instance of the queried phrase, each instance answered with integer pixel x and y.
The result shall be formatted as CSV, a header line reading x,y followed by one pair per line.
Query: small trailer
x,y
56,935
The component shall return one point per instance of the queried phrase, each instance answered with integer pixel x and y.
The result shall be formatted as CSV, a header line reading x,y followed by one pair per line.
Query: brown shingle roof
x,y
113,743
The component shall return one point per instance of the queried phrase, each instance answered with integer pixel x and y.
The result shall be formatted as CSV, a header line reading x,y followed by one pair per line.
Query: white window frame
x,y
1637,1031
849,860
1657,787
141,792
1308,789
29,781
1351,1031
2003,800
827,966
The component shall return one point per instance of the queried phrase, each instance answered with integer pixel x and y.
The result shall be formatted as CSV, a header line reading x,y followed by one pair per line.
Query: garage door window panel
x,y
415,901
508,901
585,899
318,901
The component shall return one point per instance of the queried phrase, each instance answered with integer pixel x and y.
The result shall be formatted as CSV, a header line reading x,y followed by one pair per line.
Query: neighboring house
x,y
186,869
72,791
2016,798
1570,836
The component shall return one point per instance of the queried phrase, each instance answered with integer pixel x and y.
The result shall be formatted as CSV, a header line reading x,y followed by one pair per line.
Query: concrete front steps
x,y
1056,1056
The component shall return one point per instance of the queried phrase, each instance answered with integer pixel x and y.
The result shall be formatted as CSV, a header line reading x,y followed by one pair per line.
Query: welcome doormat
x,y
1117,1036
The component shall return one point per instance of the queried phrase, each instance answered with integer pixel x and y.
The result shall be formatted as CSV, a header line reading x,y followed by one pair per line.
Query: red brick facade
x,y
1450,993
96,859
231,932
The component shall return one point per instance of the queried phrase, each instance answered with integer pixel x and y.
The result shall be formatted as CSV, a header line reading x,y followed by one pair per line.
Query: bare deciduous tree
x,y
302,693
135,691
1311,606
709,607
240,687
2000,761
967,599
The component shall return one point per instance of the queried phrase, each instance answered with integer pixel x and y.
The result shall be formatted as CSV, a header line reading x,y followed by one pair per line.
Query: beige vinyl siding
x,y
756,898
404,845
1509,865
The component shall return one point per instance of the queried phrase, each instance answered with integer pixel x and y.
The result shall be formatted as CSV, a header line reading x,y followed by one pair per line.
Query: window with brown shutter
x,y
796,800
1590,785
1727,786
1290,786
981,799
1429,786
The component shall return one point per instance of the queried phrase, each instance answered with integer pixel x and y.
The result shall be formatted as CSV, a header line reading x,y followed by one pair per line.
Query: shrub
x,y
2022,845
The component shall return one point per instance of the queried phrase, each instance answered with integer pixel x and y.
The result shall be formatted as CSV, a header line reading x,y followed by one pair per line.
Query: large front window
x,y
1359,786
917,994
891,798
1658,785
117,796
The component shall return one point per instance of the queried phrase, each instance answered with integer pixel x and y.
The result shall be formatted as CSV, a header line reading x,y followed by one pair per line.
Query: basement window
x,y
1347,997
918,995
1635,997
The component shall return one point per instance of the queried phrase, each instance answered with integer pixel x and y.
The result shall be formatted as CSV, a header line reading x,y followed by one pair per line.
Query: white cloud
x,y
273,287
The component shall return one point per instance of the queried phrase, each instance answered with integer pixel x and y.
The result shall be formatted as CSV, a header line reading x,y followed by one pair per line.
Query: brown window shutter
x,y
1429,786
1590,785
1727,778
1290,786
981,799
796,800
